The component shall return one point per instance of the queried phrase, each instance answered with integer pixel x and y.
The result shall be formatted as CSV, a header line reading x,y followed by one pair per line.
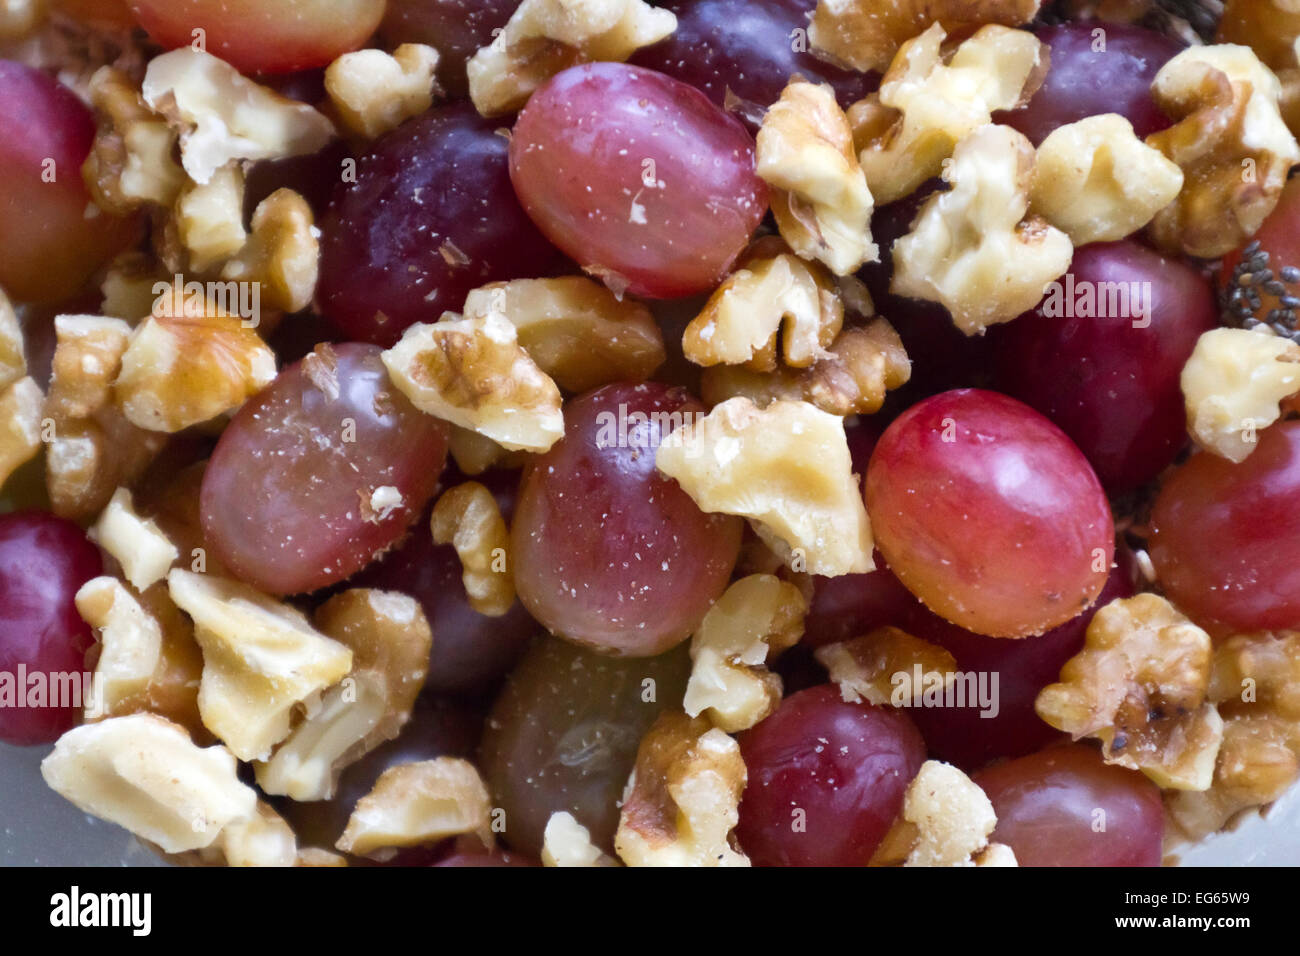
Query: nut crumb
x,y
468,518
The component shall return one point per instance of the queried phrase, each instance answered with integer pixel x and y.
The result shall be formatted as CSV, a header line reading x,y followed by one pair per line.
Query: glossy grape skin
x,y
44,561
845,766
989,514
434,190
1083,83
282,498
456,28
1225,536
259,37
1047,808
52,236
609,552
638,177
564,732
1108,383
747,47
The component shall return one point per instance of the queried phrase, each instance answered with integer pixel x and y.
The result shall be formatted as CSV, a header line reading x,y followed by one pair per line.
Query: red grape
x,y
1226,538
431,216
608,552
989,514
826,780
52,237
1064,807
456,28
1111,382
638,177
44,561
286,500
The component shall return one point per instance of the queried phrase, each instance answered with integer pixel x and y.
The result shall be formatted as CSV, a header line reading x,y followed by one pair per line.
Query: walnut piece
x,y
881,667
1139,685
952,818
787,468
1231,143
576,330
756,617
544,37
473,373
851,378
209,218
1233,384
925,106
130,640
13,360
417,803
220,115
566,842
467,517
261,658
263,839
866,34
390,640
971,249
130,164
743,318
374,92
282,255
130,286
682,800
136,543
475,454
21,404
821,199
145,774
1097,182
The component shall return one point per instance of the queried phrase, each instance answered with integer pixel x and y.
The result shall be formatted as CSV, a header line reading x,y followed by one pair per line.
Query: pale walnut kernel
x,y
130,286
1097,182
282,254
374,92
1139,685
209,218
145,774
1231,143
419,803
821,199
544,37
866,34
576,330
130,643
221,116
473,373
87,358
971,249
787,468
130,164
682,800
744,318
880,667
850,379
261,659
13,361
1256,673
756,618
566,842
136,543
263,839
952,815
926,106
468,518
475,454
1233,384
21,404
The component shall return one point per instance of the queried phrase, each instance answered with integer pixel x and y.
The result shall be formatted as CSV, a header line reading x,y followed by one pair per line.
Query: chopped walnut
x,y
742,320
473,373
475,454
821,199
544,37
20,425
787,468
210,218
468,518
131,285
566,842
971,249
374,92
952,816
682,800
130,640
926,106
866,34
189,365
1232,384
1269,27
1139,685
418,803
1097,182
887,667
850,379
756,617
220,115
1258,673
145,774
13,361
282,256
261,658
136,543
390,641
576,330
87,357
131,162
263,839
1231,143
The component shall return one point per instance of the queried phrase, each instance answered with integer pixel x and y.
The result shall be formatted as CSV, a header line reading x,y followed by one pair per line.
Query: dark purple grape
x,y
456,28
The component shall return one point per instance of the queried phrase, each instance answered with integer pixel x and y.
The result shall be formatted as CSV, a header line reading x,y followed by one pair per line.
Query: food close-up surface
x,y
601,433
